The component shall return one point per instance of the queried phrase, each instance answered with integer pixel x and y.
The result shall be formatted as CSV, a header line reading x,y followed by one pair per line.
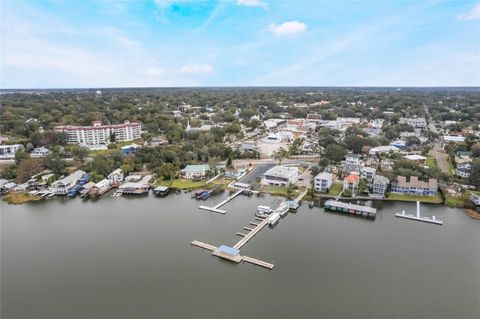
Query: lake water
x,y
132,258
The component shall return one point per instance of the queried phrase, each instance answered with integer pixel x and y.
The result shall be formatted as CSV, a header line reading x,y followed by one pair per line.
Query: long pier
x,y
233,253
294,204
250,235
418,217
216,209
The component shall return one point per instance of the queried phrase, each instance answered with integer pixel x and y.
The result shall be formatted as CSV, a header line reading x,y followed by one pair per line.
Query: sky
x,y
164,43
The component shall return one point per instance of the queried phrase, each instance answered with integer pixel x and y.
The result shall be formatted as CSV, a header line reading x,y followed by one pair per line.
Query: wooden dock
x,y
203,245
257,262
250,235
216,209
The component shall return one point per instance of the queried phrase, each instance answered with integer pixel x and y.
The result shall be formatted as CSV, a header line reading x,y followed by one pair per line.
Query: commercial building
x,y
280,176
414,186
100,134
323,182
136,188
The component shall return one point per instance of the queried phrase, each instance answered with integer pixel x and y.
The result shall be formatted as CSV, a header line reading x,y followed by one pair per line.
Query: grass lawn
x,y
335,189
182,183
413,198
281,191
452,201
449,167
431,162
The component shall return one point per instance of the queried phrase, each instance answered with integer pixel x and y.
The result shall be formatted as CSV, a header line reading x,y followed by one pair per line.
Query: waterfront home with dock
x,y
100,188
136,188
62,186
323,182
116,177
195,171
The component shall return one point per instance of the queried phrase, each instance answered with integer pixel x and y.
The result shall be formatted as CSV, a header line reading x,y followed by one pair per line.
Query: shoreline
x,y
472,213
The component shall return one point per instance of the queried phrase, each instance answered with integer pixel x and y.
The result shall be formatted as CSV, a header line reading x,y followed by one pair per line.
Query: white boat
x,y
282,209
261,215
264,209
273,219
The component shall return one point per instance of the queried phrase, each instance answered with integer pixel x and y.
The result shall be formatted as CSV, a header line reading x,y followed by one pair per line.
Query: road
x,y
287,161
305,179
441,157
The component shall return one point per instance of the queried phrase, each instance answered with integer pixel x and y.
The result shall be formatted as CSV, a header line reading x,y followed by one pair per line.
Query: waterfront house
x,y
39,152
323,182
136,188
414,186
463,170
280,176
8,151
350,183
379,185
368,173
101,187
7,187
195,171
62,186
116,177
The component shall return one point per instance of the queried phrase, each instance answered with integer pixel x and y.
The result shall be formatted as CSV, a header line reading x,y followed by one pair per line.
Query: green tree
x,y
335,153
54,162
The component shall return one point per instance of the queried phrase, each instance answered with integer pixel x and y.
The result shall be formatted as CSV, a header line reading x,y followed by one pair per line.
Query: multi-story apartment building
x,y
323,182
414,186
100,134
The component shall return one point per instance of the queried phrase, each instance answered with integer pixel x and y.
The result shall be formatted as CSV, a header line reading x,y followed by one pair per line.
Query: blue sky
x,y
239,43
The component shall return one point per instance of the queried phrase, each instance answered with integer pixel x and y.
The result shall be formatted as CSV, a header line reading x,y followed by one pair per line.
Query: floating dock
x,y
350,208
233,253
418,217
216,209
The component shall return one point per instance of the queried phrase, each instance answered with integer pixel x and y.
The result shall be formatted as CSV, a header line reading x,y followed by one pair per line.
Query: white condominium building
x,y
100,134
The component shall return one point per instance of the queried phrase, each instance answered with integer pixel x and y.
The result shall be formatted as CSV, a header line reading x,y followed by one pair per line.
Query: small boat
x,y
264,209
282,209
261,215
273,219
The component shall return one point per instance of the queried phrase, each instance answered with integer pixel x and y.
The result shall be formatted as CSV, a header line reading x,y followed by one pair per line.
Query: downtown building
x,y
99,134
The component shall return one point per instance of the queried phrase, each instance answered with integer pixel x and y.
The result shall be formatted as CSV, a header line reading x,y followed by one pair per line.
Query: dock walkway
x,y
216,209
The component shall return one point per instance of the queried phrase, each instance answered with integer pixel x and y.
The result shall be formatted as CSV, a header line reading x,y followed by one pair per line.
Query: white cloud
x,y
196,68
473,14
287,28
252,3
